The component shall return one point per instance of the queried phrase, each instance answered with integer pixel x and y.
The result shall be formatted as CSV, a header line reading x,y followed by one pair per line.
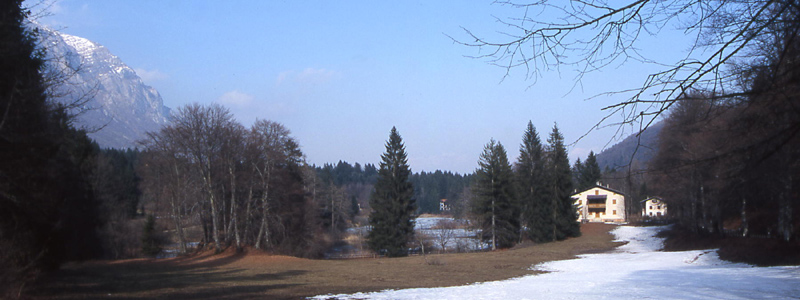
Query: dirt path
x,y
262,276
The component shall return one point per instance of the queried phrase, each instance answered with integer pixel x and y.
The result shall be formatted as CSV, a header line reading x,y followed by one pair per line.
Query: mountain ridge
x,y
107,97
636,150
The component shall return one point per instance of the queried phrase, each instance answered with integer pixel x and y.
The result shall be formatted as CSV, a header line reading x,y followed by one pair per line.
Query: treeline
x,y
529,200
343,173
730,163
238,186
429,187
115,184
731,167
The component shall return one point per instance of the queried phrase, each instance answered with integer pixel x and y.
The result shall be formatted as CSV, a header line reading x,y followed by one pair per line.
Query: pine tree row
x,y
529,200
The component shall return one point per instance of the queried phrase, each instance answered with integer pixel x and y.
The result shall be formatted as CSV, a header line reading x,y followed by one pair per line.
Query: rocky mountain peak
x,y
113,103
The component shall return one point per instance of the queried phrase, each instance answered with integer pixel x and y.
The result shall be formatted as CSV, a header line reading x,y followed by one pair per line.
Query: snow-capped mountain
x,y
112,102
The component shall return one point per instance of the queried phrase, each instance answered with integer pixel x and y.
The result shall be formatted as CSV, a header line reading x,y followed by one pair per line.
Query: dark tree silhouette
x,y
393,208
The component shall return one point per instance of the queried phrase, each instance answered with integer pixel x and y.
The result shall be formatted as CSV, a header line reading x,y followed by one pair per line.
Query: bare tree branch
x,y
590,35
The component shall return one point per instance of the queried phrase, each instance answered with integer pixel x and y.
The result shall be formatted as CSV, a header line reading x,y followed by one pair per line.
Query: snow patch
x,y
636,270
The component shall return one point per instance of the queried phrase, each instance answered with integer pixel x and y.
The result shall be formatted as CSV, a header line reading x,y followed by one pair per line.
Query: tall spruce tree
x,y
590,173
577,172
530,187
393,206
559,184
495,204
150,243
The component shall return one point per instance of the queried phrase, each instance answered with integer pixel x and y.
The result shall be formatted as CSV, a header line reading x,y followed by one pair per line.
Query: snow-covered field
x,y
634,271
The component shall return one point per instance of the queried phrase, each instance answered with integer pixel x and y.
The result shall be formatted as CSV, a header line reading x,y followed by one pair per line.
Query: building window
x,y
614,201
651,207
580,202
615,212
659,207
597,192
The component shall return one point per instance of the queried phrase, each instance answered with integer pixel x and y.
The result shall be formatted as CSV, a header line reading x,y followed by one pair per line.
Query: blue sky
x,y
340,74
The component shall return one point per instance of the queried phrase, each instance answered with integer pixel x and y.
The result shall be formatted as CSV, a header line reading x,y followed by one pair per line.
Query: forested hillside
x,y
634,149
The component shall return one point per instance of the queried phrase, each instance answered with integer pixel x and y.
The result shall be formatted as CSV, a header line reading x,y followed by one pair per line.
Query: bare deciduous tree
x,y
446,233
200,133
268,141
245,186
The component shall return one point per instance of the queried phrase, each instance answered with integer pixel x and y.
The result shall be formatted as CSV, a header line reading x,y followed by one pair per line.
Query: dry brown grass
x,y
261,276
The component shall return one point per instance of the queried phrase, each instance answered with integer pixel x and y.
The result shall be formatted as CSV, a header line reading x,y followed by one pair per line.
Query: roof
x,y
652,198
601,187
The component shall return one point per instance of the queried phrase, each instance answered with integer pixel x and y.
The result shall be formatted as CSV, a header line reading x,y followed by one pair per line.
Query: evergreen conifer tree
x,y
559,183
530,186
150,245
48,208
590,173
577,173
495,204
393,207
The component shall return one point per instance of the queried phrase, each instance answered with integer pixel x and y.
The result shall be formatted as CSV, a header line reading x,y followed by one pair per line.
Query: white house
x,y
443,205
600,204
654,207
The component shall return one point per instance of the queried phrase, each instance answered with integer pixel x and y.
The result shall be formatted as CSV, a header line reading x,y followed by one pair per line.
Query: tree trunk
x,y
703,209
628,201
214,222
247,216
233,219
494,233
522,225
176,213
264,228
745,227
555,212
214,213
224,230
785,223
204,224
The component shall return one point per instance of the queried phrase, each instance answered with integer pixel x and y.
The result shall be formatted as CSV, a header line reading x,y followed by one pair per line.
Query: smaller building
x,y
443,205
654,207
600,204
